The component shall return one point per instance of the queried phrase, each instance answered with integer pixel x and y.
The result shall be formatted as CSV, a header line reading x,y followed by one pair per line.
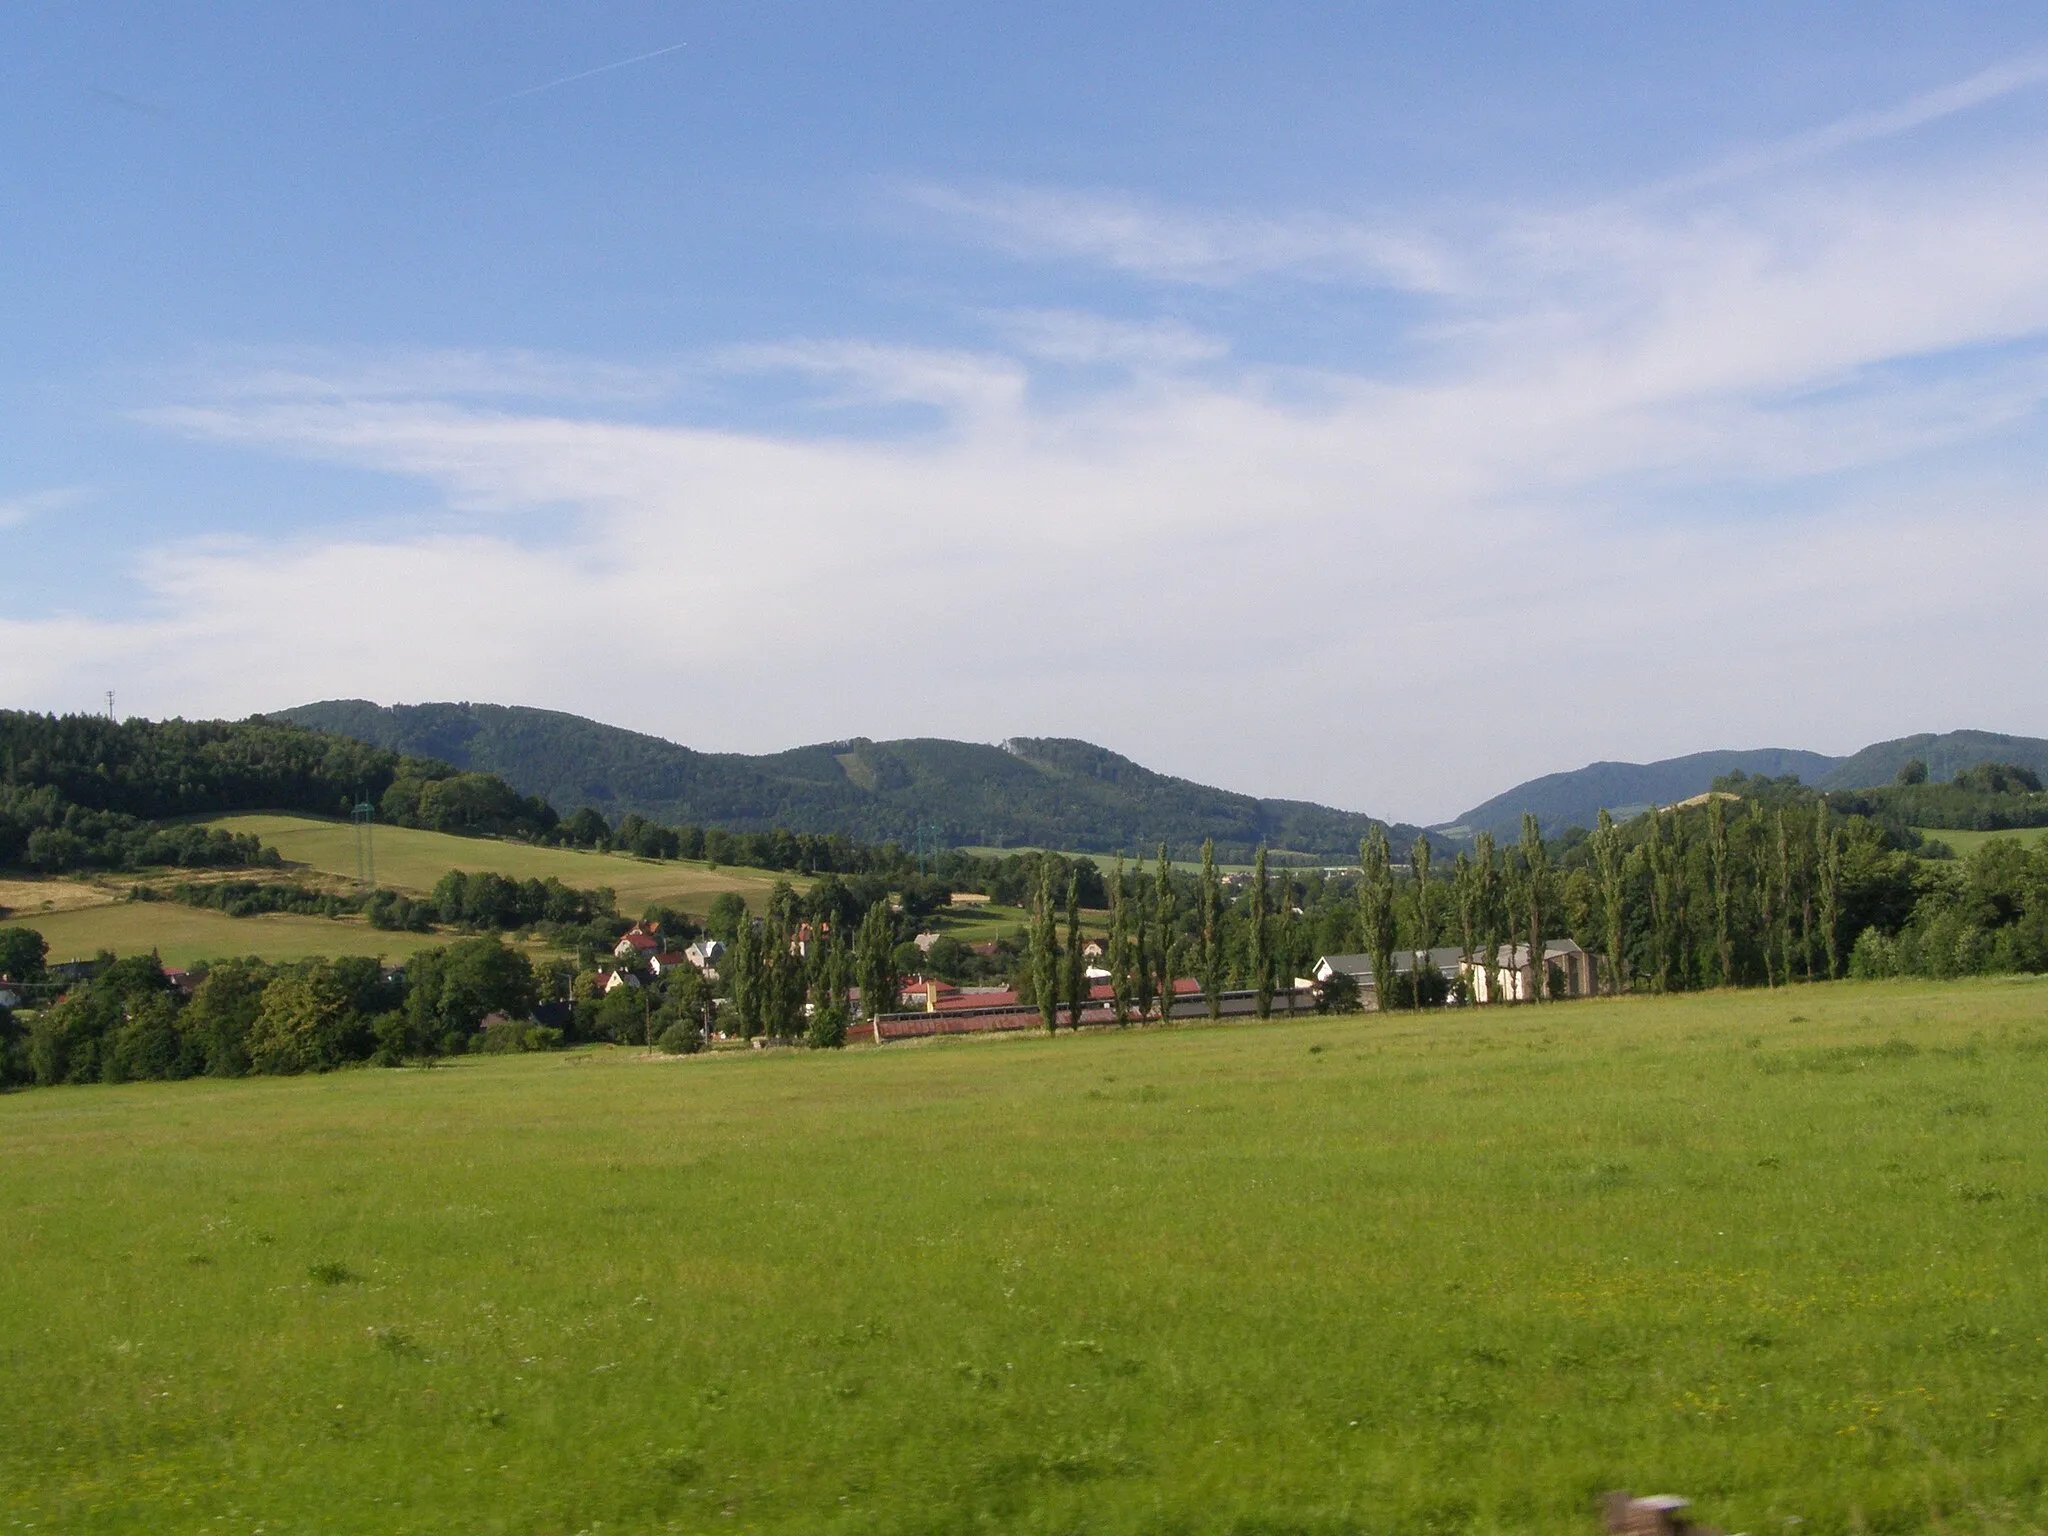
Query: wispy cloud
x,y
1858,128
1129,234
1073,336
20,509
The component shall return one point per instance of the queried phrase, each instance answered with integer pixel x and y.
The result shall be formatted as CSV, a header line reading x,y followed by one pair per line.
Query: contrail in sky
x,y
549,85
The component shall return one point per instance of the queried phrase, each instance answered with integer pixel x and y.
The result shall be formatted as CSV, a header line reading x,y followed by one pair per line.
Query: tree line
x,y
85,792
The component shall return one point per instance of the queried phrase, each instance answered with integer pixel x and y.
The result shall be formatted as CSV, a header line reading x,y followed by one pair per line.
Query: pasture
x,y
183,936
1966,843
80,916
1778,1251
414,860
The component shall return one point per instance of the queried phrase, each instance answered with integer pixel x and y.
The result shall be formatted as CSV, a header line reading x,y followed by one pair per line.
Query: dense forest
x,y
1032,792
80,791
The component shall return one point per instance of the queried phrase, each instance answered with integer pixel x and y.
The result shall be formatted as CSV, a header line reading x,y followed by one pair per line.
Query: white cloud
x,y
1132,235
1072,336
19,509
1400,593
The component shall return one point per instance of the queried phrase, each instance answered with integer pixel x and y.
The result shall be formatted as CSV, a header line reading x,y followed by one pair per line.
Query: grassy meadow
x,y
1966,843
1780,1252
183,935
413,860
82,915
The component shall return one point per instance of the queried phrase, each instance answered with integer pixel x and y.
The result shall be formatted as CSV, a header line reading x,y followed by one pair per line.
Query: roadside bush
x,y
503,1036
681,1039
827,1029
1338,995
1875,956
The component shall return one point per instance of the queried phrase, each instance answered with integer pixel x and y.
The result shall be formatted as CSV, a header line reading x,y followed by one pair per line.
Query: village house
x,y
704,954
1573,973
642,941
1446,960
1576,973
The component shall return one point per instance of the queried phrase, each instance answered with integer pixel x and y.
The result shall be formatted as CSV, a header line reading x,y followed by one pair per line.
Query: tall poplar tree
x,y
1765,899
1607,864
1076,979
875,961
1376,910
1464,890
1210,930
1261,937
1490,911
1783,937
1828,871
1045,957
1425,916
1142,963
1536,861
1120,947
1165,930
744,962
1721,886
1657,856
1286,940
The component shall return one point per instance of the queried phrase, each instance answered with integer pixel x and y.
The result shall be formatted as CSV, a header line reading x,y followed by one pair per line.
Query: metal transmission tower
x,y
363,816
925,840
110,703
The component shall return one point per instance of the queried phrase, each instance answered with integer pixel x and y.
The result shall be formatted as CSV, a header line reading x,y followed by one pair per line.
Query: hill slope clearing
x,y
413,860
1779,1251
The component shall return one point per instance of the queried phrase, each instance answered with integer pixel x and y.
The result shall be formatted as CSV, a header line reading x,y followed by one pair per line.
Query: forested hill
x,y
1560,800
79,791
1036,792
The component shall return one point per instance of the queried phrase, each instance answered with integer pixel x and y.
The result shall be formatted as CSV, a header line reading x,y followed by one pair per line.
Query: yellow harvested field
x,y
21,900
410,860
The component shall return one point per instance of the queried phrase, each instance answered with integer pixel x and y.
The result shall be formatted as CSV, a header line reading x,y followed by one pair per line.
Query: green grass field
x,y
415,860
1780,1252
1967,843
405,859
183,935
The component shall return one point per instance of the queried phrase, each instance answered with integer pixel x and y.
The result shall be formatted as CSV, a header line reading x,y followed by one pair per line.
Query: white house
x,y
1574,973
1446,961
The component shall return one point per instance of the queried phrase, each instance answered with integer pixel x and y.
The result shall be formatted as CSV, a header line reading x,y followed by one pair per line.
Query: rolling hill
x,y
1560,800
1027,792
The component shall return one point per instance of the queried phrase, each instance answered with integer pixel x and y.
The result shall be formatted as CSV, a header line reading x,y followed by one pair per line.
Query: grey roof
x,y
1446,958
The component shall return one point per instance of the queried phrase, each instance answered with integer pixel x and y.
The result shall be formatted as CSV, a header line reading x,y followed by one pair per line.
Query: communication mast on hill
x,y
110,703
926,839
363,816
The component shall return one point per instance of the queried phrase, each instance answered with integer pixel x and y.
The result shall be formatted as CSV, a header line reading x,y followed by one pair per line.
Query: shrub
x,y
681,1039
1338,995
827,1031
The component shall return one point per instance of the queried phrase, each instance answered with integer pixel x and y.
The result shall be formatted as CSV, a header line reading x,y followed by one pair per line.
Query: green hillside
x,y
1945,755
1035,792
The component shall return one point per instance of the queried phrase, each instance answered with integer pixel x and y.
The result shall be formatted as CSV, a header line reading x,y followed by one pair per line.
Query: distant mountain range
x,y
1560,800
1027,792
1045,792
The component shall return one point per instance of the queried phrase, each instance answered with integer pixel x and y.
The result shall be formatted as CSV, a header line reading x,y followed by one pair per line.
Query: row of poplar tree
x,y
1762,888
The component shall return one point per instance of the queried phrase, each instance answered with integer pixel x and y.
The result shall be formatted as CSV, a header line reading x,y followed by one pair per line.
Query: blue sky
x,y
1376,404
